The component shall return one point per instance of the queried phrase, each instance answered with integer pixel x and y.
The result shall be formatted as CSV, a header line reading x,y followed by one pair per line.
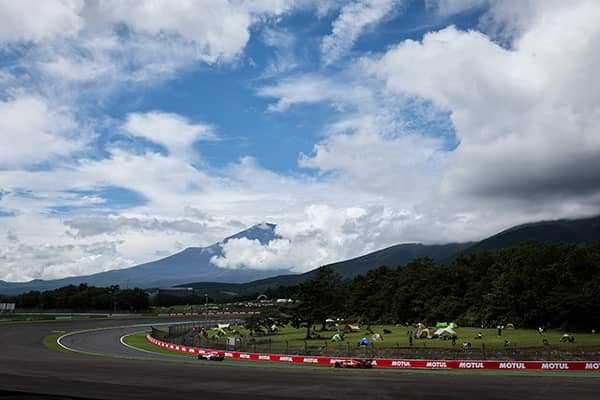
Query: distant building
x,y
7,307
176,291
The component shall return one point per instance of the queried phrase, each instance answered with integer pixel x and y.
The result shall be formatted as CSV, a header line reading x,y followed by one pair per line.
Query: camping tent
x,y
351,328
377,337
337,338
423,334
220,332
453,325
223,326
447,331
364,342
441,324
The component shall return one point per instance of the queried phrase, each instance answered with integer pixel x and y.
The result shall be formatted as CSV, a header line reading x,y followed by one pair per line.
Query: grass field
x,y
139,340
525,344
521,338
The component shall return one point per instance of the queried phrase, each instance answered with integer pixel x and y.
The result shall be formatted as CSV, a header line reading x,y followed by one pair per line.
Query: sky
x,y
132,130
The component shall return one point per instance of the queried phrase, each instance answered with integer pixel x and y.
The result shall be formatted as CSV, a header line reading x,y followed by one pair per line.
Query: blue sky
x,y
130,130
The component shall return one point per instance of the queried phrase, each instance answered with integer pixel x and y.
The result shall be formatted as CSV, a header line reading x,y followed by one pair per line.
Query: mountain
x,y
193,264
397,255
392,256
557,231
567,231
190,265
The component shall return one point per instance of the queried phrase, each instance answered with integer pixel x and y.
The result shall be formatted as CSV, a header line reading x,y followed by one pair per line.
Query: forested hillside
x,y
533,284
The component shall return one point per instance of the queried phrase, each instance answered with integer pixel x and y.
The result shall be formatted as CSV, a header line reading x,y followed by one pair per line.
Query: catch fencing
x,y
189,335
395,363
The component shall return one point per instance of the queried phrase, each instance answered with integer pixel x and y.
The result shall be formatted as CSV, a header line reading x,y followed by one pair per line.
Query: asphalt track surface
x,y
29,370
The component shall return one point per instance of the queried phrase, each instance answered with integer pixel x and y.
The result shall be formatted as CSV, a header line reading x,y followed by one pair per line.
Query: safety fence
x,y
394,363
192,335
212,313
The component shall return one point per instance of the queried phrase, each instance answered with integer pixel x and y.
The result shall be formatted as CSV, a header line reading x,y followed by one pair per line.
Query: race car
x,y
211,356
353,363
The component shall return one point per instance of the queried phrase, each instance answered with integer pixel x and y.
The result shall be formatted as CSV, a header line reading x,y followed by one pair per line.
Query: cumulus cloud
x,y
34,132
354,18
527,117
172,131
321,235
503,20
447,138
32,21
23,262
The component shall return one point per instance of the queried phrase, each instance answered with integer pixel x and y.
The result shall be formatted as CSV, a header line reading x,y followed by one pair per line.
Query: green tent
x,y
337,338
220,332
453,325
441,324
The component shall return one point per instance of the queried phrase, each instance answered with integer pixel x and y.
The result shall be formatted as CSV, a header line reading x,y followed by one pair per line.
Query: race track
x,y
26,365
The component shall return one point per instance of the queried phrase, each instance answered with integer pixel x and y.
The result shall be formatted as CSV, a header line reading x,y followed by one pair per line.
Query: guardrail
x,y
212,313
392,363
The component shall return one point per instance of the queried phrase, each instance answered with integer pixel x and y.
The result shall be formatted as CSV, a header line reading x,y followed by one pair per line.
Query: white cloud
x,y
526,118
308,89
218,29
32,132
375,155
503,20
35,21
284,58
96,225
172,131
354,18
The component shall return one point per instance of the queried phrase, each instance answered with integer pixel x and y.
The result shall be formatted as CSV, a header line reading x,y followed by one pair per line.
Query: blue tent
x,y
364,342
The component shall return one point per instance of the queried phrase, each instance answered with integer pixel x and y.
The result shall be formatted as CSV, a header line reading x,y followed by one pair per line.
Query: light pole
x,y
206,304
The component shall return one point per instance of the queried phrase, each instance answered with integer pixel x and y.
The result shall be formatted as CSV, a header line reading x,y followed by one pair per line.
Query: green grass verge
x,y
51,342
139,341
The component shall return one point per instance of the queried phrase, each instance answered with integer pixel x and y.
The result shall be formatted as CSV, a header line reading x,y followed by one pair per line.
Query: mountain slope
x,y
569,231
191,264
393,256
397,255
558,231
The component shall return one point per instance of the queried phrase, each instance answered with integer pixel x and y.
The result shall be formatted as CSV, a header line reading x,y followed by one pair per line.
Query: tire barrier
x,y
396,363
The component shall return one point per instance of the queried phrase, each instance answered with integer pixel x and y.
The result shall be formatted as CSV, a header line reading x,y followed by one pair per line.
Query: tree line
x,y
82,298
530,285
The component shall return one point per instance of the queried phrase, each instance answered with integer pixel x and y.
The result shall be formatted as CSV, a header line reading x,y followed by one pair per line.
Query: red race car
x,y
353,363
211,356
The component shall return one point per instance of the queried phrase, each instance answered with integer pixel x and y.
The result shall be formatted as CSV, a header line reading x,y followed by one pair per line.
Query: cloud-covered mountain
x,y
190,265
194,264
563,231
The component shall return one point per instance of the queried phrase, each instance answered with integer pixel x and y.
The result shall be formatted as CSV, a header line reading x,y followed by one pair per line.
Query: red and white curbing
x,y
398,363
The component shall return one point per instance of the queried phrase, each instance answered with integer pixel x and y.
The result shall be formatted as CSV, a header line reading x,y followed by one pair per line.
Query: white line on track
x,y
59,342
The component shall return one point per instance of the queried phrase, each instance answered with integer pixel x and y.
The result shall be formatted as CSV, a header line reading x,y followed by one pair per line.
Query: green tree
x,y
321,297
